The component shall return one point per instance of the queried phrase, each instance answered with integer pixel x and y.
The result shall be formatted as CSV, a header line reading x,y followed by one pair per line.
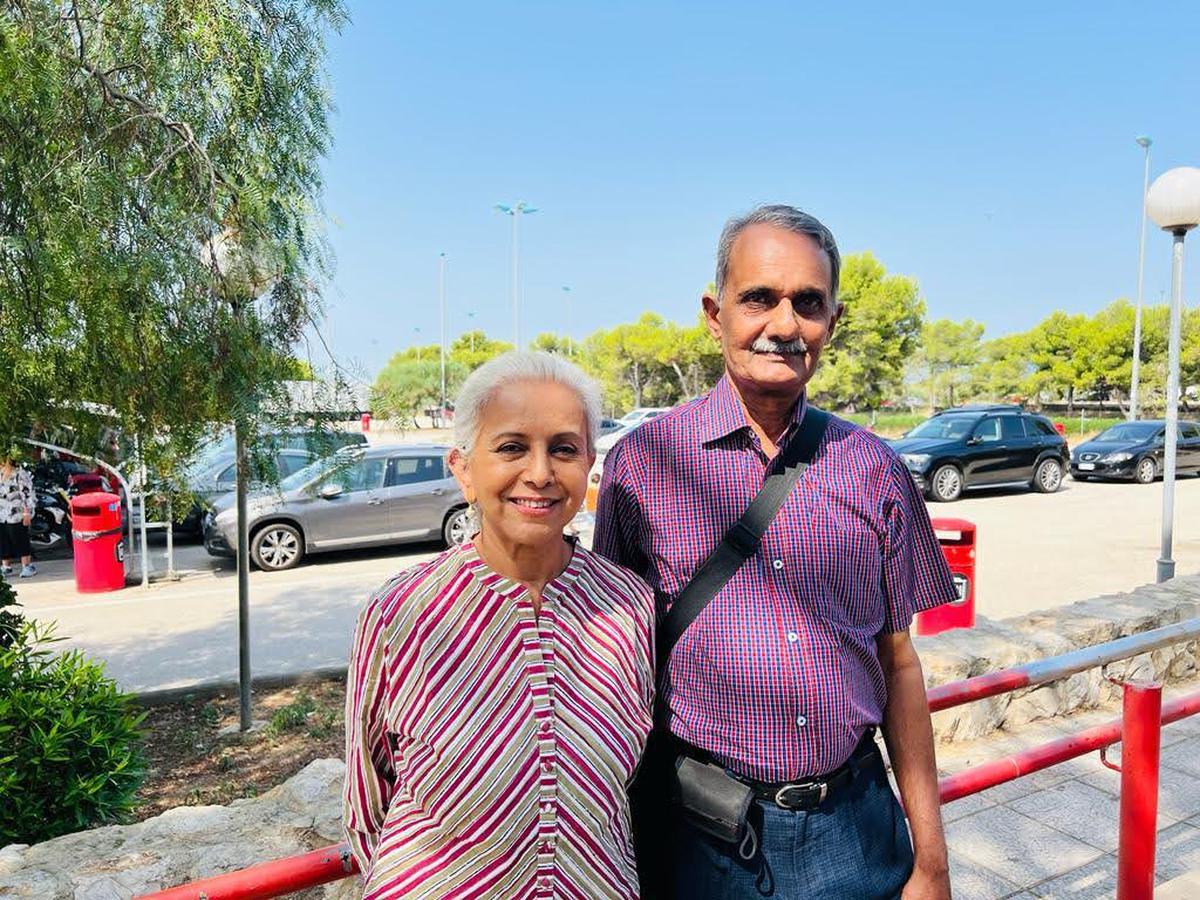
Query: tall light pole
x,y
518,209
1143,142
442,318
471,316
570,321
1173,202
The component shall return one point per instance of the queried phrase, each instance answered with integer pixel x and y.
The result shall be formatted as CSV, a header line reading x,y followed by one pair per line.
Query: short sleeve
x,y
915,574
618,515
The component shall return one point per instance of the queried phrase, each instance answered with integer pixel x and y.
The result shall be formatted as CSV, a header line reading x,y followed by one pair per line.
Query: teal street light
x,y
1173,203
521,208
1143,142
570,321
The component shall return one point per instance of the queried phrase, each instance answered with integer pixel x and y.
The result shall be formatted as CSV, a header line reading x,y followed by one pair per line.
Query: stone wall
x,y
995,645
186,843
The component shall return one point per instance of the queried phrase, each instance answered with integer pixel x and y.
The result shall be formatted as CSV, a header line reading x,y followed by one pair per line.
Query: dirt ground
x,y
197,756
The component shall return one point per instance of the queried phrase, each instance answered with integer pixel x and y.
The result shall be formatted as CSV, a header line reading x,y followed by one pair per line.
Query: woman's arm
x,y
369,777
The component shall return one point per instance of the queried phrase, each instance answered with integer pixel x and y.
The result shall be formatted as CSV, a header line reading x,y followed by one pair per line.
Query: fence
x,y
1138,729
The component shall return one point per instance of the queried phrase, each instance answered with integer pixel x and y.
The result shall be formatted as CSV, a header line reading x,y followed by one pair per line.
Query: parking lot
x,y
1035,551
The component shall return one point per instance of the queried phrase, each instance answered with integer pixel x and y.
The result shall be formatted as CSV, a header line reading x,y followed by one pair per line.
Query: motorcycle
x,y
50,527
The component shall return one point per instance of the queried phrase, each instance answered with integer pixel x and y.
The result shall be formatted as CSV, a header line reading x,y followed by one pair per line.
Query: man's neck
x,y
769,415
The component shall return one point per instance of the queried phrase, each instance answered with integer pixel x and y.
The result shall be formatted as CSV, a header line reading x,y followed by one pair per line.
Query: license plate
x,y
1086,467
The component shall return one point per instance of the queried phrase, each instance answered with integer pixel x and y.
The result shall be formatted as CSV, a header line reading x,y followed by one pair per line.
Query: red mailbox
x,y
99,550
366,421
957,537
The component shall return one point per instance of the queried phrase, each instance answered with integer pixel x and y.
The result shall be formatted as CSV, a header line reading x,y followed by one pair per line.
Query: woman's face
x,y
529,466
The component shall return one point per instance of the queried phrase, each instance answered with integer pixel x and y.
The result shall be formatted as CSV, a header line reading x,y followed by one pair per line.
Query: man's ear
x,y
837,315
712,309
458,463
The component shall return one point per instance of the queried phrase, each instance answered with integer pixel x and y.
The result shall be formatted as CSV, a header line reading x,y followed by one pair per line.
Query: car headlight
x,y
915,460
1117,457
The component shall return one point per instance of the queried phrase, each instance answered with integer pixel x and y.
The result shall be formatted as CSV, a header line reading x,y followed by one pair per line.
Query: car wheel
x,y
457,529
1048,476
276,547
946,484
1145,471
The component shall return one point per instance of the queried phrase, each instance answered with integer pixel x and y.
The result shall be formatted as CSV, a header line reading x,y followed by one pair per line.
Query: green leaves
x,y
120,156
878,333
72,742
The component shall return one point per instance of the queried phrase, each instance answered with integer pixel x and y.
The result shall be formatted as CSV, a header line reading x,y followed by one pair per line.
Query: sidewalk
x,y
1053,834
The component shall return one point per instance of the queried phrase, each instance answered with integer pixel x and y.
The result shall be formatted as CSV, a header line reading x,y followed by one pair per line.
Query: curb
x,y
205,689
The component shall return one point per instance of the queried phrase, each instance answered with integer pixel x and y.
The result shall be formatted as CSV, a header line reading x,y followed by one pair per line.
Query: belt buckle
x,y
807,785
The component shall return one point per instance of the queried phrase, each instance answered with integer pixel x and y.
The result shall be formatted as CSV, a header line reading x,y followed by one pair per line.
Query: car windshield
x,y
631,416
944,428
315,470
1128,431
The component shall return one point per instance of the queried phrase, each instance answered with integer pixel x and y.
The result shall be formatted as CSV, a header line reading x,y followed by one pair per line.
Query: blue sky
x,y
989,153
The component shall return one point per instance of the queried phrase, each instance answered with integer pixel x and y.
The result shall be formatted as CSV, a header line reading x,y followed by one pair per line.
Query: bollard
x,y
1140,740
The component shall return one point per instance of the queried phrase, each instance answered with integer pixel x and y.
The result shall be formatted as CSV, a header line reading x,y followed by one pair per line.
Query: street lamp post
x,y
518,209
442,318
570,321
1143,142
471,331
1173,202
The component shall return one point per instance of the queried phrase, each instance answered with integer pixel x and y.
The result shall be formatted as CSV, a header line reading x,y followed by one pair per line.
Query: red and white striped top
x,y
488,750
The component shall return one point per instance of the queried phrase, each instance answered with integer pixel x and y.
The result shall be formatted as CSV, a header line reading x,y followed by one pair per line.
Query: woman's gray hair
x,y
510,368
780,216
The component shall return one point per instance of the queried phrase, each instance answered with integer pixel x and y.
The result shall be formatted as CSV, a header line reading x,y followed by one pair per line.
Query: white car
x,y
629,421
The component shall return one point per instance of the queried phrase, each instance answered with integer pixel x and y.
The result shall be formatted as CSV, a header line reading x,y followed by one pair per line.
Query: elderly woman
x,y
499,695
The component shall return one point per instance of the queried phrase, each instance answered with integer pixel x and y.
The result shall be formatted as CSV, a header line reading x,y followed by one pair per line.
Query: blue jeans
x,y
854,845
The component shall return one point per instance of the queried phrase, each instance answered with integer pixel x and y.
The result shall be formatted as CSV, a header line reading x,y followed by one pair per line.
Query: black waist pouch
x,y
711,800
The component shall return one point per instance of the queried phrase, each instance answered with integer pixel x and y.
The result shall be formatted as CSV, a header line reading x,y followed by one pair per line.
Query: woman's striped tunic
x,y
488,749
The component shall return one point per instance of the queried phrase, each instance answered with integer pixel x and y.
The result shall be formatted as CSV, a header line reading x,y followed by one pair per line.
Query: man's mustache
x,y
783,348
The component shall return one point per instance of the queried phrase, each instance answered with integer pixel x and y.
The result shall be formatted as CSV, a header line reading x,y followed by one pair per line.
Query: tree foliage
x,y
159,184
878,333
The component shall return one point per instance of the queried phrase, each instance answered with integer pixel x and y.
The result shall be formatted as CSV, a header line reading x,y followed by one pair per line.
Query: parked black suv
x,y
984,446
1135,450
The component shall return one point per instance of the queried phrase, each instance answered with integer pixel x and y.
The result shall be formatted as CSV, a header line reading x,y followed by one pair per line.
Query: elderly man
x,y
791,646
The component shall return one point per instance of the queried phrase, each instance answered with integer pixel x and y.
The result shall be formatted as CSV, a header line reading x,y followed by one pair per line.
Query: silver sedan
x,y
355,498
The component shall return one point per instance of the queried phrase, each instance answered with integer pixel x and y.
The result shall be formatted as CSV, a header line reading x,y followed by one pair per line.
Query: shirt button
x,y
778,564
792,637
546,727
801,721
547,766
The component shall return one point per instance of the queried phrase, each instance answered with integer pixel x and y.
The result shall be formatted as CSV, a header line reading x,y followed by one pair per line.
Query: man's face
x,y
775,314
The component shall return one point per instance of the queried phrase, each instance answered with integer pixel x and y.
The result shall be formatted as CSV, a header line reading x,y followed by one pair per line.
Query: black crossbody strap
x,y
742,540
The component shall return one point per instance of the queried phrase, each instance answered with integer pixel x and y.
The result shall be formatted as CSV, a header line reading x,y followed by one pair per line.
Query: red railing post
x,y
1140,742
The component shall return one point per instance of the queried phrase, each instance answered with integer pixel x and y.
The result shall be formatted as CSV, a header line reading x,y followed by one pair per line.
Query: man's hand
x,y
26,519
926,884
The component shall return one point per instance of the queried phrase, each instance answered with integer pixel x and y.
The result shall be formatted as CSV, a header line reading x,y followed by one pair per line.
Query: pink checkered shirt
x,y
779,677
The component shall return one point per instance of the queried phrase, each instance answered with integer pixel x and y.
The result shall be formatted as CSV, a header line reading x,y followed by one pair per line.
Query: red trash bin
x,y
99,549
957,537
366,421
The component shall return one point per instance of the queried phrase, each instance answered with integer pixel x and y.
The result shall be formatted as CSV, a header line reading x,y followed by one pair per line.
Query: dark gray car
x,y
356,498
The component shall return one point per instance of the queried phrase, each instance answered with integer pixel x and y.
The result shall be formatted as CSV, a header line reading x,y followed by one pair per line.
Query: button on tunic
x,y
489,748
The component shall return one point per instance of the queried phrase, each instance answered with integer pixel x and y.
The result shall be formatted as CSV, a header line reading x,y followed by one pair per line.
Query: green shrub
x,y
10,621
292,716
70,744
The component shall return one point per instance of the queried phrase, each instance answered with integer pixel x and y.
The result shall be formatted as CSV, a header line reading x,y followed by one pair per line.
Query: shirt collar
x,y
724,414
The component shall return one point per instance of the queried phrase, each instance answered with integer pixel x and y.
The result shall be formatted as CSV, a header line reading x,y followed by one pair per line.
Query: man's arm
x,y
908,733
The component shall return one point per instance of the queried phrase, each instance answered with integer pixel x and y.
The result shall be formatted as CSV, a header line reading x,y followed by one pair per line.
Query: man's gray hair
x,y
510,368
788,218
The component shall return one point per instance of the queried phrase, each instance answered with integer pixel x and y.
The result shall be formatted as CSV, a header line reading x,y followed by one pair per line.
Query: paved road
x,y
1036,551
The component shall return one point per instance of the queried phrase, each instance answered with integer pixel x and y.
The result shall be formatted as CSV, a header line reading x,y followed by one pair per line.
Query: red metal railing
x,y
1138,730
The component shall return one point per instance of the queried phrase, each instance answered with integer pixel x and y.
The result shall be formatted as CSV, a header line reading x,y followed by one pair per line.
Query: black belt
x,y
798,795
